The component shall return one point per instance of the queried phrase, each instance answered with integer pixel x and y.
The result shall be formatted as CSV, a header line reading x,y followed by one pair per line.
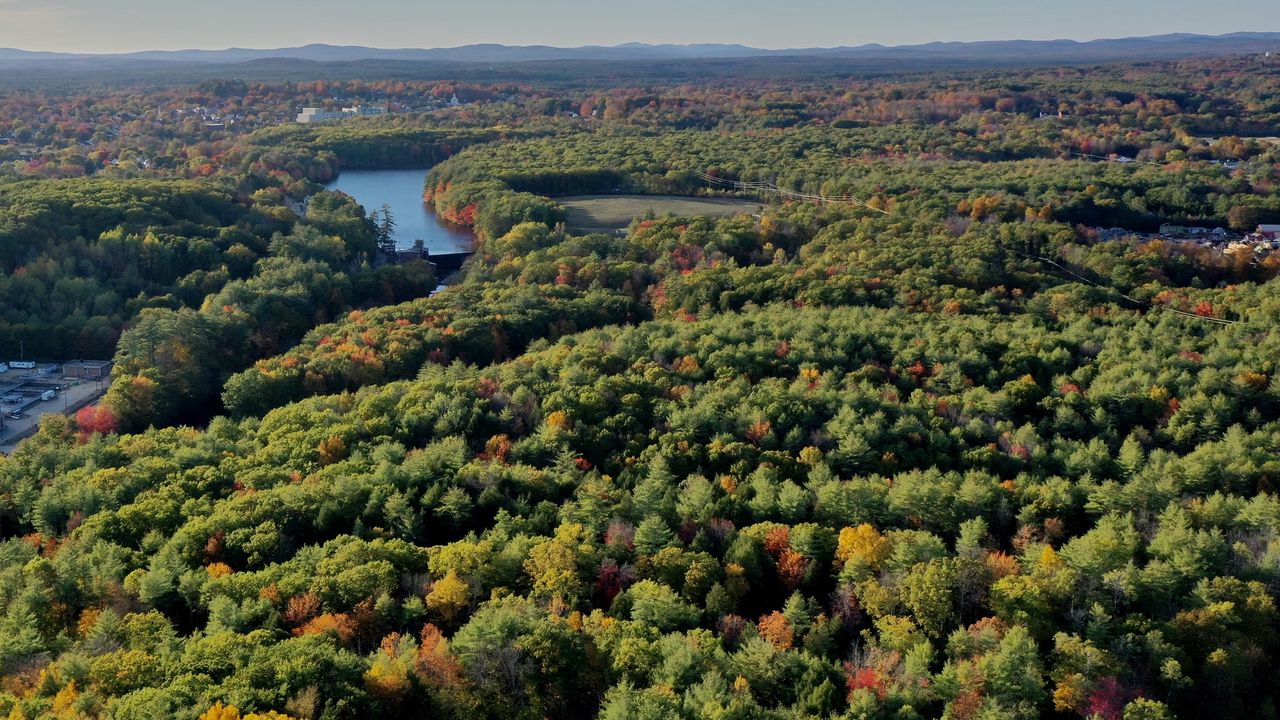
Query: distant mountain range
x,y
1134,48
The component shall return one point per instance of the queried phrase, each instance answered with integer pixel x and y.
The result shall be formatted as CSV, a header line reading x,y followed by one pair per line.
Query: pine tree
x,y
652,535
654,495
386,224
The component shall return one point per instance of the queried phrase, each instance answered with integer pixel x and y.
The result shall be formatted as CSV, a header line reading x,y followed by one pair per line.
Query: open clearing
x,y
606,213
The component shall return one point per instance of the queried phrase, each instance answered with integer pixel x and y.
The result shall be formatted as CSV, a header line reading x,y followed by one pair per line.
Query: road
x,y
85,392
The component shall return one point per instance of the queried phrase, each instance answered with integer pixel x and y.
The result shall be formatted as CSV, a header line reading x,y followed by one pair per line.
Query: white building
x,y
320,115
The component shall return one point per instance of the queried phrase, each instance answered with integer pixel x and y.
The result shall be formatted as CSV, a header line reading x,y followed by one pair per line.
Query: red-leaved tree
x,y
95,419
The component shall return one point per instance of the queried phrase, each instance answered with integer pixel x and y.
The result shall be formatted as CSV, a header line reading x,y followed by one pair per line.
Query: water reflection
x,y
402,190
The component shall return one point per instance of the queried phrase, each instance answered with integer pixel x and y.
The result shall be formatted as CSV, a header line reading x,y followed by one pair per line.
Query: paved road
x,y
75,397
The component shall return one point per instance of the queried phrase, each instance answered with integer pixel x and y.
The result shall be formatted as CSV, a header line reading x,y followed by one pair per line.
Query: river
x,y
402,190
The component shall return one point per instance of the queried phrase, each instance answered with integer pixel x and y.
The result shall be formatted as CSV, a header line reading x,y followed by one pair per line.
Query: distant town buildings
x,y
320,115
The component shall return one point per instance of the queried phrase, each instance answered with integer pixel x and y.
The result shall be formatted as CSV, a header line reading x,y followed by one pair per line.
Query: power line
x,y
1130,298
760,186
1115,160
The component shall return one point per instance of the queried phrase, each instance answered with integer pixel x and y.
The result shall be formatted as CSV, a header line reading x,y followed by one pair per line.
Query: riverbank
x,y
401,190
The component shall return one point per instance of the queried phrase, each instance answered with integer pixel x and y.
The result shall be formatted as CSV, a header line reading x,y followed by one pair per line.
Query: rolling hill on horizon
x,y
1131,48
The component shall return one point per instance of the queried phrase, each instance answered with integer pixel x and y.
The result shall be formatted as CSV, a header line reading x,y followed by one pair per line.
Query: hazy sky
x,y
125,25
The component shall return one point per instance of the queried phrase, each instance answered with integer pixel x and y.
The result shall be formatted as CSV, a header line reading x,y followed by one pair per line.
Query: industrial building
x,y
87,369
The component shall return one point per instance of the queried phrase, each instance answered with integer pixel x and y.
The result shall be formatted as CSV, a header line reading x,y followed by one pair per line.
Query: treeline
x,y
476,324
1204,108
517,287
170,364
373,145
814,161
199,274
183,130
80,258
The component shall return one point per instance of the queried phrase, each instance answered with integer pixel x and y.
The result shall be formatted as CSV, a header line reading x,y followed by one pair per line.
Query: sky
x,y
130,25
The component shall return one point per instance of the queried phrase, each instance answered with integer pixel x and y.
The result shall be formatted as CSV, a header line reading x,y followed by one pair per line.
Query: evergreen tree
x,y
385,220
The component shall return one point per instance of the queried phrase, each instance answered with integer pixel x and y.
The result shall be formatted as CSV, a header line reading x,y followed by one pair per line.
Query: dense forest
x,y
181,263
948,429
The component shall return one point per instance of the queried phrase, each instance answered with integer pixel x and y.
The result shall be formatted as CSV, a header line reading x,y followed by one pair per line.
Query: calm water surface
x,y
402,190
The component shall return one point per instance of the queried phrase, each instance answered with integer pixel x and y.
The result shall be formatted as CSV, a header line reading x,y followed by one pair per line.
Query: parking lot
x,y
23,392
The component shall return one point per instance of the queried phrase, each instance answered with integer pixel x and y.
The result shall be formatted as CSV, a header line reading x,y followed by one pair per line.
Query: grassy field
x,y
606,213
